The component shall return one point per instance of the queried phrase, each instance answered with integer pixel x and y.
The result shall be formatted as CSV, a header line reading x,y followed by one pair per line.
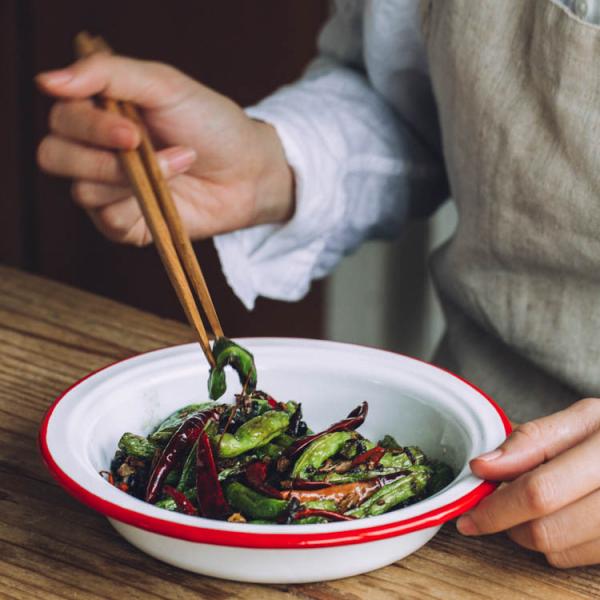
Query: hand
x,y
226,171
552,503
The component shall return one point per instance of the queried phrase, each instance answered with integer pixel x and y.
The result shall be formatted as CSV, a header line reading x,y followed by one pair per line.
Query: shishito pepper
x,y
165,430
226,352
136,445
254,433
181,441
395,493
318,452
252,504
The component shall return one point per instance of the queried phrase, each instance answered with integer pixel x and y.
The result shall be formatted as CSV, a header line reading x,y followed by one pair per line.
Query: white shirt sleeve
x,y
359,131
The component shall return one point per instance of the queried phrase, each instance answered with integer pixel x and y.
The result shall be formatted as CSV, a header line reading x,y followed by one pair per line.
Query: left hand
x,y
552,503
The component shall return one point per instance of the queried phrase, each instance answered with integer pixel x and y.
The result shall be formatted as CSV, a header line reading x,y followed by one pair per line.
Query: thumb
x,y
539,441
151,85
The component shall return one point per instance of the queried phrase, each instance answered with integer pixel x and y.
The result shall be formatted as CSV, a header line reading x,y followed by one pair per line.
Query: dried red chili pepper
x,y
181,499
318,512
370,456
211,498
347,494
256,477
109,477
183,439
355,419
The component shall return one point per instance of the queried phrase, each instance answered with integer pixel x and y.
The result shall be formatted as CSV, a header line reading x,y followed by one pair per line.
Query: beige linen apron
x,y
517,84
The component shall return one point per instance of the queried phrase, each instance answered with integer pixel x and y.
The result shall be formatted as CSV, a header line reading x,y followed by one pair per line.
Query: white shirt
x,y
360,132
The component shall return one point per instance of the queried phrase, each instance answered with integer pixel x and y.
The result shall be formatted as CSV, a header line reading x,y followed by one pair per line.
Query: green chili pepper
x,y
359,474
173,477
410,455
290,407
441,476
136,445
389,443
254,433
395,493
310,521
284,440
188,473
162,434
252,504
318,452
355,446
167,504
261,522
322,505
271,450
227,352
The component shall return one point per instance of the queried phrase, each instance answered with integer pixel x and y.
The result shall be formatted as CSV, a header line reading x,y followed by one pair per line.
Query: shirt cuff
x,y
278,261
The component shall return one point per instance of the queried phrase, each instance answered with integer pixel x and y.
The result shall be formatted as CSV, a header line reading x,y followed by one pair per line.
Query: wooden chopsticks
x,y
160,213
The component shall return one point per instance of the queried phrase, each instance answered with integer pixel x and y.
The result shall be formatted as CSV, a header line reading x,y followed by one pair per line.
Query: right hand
x,y
226,171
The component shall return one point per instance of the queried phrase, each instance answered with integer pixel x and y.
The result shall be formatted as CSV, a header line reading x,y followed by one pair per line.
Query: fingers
x,y
574,525
90,195
81,121
548,488
122,222
579,556
59,156
148,84
538,441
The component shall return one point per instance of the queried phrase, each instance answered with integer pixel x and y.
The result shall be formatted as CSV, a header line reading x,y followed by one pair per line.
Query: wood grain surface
x,y
52,547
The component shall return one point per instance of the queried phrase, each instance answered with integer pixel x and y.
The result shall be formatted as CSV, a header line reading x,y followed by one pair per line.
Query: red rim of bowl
x,y
206,535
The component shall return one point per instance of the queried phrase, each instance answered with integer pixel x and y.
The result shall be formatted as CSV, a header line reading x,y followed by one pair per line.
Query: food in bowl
x,y
256,461
417,403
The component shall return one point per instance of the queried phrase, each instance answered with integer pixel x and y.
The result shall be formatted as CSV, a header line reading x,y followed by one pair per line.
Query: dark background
x,y
242,48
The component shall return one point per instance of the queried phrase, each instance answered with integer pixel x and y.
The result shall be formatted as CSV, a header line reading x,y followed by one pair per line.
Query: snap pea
x,y
227,352
318,452
163,432
256,432
394,493
252,504
136,445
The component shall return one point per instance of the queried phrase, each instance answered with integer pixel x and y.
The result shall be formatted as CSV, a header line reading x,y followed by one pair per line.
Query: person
x,y
493,103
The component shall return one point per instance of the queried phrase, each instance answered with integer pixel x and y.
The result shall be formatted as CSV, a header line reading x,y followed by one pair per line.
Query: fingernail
x,y
55,77
180,159
489,456
466,525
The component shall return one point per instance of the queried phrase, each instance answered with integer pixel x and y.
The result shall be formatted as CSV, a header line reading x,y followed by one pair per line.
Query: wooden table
x,y
53,547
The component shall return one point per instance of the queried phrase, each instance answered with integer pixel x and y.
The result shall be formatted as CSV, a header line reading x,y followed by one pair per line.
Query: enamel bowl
x,y
415,402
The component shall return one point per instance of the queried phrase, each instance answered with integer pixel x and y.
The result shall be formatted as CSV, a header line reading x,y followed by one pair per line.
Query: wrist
x,y
275,193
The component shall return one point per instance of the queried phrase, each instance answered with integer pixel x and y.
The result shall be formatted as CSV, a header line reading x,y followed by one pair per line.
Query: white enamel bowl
x,y
415,402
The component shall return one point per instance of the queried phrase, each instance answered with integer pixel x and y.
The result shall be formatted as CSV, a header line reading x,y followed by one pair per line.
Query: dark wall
x,y
243,48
